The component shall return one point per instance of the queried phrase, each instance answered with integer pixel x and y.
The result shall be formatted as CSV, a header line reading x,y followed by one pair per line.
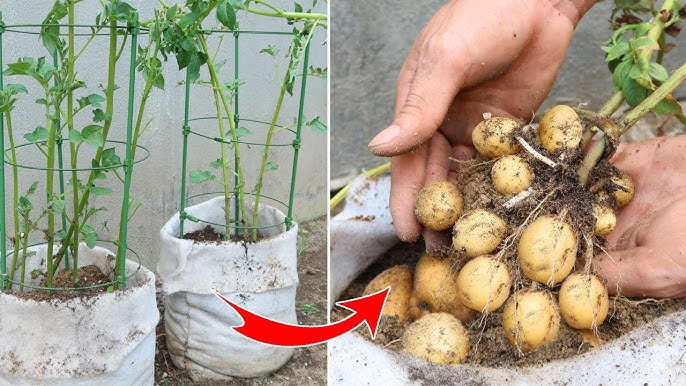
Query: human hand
x,y
647,250
470,58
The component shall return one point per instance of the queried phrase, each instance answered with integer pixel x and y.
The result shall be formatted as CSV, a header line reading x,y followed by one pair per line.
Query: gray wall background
x,y
156,181
370,40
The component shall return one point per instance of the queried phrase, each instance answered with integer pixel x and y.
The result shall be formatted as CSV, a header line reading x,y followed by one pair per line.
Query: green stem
x,y
643,108
219,96
72,147
49,193
109,107
286,15
15,197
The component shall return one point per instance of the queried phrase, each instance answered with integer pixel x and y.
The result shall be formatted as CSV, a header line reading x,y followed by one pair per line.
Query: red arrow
x,y
365,309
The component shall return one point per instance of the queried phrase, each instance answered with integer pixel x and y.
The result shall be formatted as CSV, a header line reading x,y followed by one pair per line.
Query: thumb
x,y
642,272
426,88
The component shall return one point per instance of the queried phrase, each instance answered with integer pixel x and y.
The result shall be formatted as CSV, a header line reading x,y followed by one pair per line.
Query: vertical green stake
x,y
60,163
3,242
236,210
186,131
296,142
128,163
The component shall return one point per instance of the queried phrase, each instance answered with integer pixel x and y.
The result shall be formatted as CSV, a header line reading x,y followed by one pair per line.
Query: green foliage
x,y
636,71
317,126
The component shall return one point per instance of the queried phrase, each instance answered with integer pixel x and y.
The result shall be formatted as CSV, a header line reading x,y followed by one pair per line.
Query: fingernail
x,y
385,137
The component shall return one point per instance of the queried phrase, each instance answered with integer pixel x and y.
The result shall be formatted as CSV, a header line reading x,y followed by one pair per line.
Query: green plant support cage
x,y
187,130
132,30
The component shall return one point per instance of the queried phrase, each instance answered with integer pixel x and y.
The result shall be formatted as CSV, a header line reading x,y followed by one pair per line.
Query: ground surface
x,y
307,367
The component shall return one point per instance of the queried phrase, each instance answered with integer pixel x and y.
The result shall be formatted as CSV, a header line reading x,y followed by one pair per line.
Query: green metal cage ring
x,y
146,155
28,29
217,139
39,288
238,227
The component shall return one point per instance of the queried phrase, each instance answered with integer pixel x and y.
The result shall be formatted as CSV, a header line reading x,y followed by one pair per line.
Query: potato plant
x,y
537,199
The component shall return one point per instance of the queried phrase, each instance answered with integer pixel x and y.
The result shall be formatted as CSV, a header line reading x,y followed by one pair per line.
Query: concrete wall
x,y
157,179
369,42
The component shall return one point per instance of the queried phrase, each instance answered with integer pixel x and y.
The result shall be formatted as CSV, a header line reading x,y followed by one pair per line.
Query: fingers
x,y
407,178
643,272
437,170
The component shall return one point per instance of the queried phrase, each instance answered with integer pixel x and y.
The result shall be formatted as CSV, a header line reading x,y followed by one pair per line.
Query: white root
x,y
535,153
518,198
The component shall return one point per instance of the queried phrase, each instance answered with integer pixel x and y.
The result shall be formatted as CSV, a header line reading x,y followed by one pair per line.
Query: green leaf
x,y
657,72
90,236
101,116
50,29
100,191
56,206
75,137
24,206
226,14
216,164
242,131
667,106
32,188
93,135
171,12
109,158
40,134
633,92
36,273
272,166
119,10
200,176
317,126
616,51
644,42
621,73
91,100
271,50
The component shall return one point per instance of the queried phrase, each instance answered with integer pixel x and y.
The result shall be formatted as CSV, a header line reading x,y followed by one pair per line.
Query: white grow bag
x,y
653,354
108,339
261,277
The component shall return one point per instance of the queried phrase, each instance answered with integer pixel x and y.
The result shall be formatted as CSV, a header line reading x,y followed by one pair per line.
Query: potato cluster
x,y
516,254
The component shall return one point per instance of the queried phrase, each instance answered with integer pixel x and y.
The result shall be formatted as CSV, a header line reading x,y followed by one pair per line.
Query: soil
x,y
307,367
209,235
487,338
91,281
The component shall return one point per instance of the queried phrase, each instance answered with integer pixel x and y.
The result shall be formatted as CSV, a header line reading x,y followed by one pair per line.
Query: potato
x,y
531,319
478,232
584,302
435,289
437,338
547,250
605,219
438,205
625,188
511,174
560,129
483,284
400,278
495,137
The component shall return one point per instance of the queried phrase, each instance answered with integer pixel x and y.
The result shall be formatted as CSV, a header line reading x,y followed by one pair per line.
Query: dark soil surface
x,y
88,276
489,346
307,367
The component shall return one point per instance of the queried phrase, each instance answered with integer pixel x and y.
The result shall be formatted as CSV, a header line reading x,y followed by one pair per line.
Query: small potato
x,y
435,289
624,190
560,129
494,137
547,250
438,205
478,232
511,174
483,284
437,338
531,319
605,219
400,278
584,301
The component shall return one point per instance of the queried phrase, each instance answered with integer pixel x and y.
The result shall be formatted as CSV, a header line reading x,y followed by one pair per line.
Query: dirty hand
x,y
647,249
472,57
